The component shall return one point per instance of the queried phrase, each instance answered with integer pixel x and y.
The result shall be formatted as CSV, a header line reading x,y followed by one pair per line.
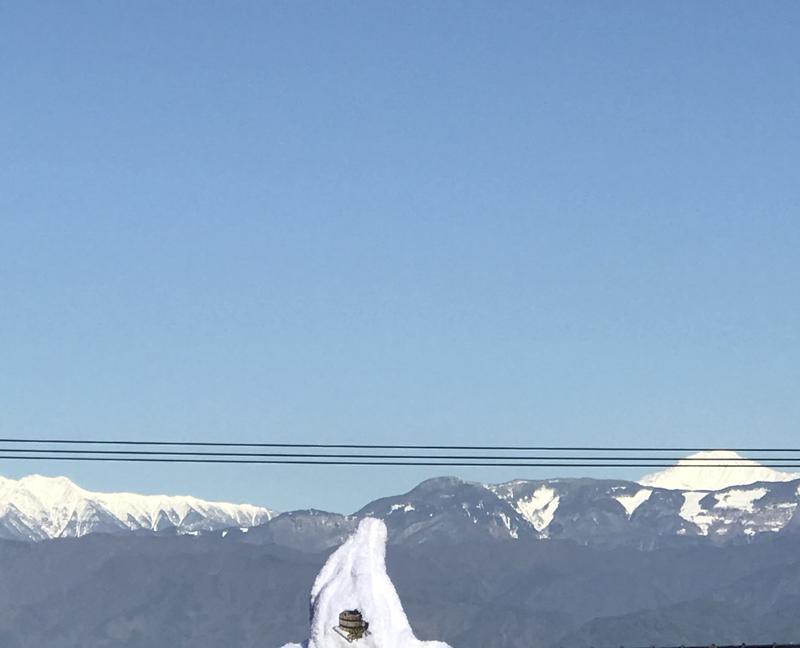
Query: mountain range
x,y
148,591
690,502
39,508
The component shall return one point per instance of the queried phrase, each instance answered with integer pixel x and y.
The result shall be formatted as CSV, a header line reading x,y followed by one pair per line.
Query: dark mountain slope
x,y
204,592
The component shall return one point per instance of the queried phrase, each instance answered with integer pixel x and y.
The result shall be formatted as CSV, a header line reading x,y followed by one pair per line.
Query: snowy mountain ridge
x,y
732,503
714,494
595,512
38,508
722,469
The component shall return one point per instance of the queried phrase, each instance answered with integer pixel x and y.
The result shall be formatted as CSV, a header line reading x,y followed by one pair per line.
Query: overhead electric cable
x,y
376,446
324,462
703,461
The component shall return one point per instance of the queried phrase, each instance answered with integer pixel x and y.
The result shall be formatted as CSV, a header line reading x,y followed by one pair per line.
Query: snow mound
x,y
726,469
355,578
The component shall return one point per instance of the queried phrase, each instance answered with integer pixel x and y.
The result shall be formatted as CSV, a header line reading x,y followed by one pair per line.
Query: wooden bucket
x,y
351,620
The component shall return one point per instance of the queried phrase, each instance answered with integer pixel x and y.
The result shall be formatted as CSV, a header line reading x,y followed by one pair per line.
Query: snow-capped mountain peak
x,y
38,507
712,471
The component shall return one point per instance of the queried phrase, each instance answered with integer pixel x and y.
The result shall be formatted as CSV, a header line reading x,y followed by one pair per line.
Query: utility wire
x,y
702,461
373,446
369,462
371,454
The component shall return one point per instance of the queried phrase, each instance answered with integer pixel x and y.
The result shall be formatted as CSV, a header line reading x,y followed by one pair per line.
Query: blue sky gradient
x,y
539,223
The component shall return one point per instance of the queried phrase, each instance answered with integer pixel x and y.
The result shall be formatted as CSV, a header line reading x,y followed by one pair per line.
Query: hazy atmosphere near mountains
x,y
370,222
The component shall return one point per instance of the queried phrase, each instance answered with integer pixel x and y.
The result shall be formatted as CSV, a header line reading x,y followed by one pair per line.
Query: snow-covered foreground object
x,y
355,578
38,508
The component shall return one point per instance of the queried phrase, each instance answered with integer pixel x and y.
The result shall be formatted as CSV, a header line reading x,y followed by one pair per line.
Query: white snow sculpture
x,y
355,578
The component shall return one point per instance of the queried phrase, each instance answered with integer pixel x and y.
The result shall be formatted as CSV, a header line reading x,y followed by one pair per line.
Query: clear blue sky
x,y
559,223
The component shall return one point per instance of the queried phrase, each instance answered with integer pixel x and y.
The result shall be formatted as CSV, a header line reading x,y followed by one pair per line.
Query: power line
x,y
373,446
207,452
370,462
701,461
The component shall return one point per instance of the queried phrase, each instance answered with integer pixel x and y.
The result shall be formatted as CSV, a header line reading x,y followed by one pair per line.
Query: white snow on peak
x,y
632,502
736,506
539,508
739,499
713,471
693,512
512,531
355,578
38,507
